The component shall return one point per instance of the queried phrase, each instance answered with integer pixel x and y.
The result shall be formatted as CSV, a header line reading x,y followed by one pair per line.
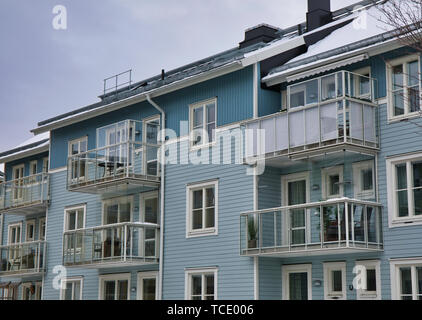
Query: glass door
x,y
152,128
14,253
296,194
18,173
297,282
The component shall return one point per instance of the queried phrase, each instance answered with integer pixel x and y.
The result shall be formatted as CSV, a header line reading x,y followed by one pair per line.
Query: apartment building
x,y
290,169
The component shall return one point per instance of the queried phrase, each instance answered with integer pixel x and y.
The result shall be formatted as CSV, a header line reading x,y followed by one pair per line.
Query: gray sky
x,y
46,72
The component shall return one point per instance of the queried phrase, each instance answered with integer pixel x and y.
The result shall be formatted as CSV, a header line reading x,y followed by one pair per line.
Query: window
x,y
41,235
33,168
31,291
335,280
151,139
202,207
406,279
74,220
71,289
362,83
201,284
370,280
45,165
78,166
17,176
30,231
15,233
203,119
332,182
363,180
404,181
115,287
147,285
117,210
404,86
303,94
297,281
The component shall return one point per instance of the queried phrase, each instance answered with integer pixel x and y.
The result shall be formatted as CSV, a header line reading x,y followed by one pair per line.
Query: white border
x,y
334,266
297,268
200,271
72,279
146,275
115,277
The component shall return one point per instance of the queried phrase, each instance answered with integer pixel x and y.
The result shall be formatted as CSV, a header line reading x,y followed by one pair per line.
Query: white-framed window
x,y
74,219
406,279
45,165
202,209
370,275
151,127
72,288
404,181
364,179
335,280
147,285
203,122
31,291
33,167
117,210
18,173
363,84
404,85
78,146
30,230
201,284
15,233
41,229
332,182
297,282
114,287
149,208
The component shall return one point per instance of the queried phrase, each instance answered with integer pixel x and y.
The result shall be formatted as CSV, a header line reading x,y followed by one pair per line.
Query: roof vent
x,y
319,14
260,33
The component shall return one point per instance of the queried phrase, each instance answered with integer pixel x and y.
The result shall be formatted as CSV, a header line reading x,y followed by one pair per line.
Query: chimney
x,y
260,33
319,14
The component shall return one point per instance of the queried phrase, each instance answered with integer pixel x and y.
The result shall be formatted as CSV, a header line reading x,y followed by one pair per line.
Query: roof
x,y
230,60
34,145
364,31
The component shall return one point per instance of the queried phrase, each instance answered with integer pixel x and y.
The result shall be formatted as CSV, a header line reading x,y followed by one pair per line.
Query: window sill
x,y
202,233
406,222
396,119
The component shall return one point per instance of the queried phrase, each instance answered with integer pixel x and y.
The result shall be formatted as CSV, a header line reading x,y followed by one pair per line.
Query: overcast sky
x,y
46,72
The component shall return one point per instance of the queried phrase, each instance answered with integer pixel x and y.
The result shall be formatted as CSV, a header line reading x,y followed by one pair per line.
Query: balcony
x,y
321,117
117,167
23,259
349,226
115,245
27,195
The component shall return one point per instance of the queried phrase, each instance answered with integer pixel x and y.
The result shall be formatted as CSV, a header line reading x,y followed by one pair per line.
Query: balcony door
x,y
14,237
297,282
150,140
296,191
18,174
116,138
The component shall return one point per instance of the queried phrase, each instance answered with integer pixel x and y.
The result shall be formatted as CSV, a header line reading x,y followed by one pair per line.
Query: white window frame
x,y
78,140
73,208
117,200
40,223
189,272
27,224
328,268
297,268
146,275
363,294
325,174
14,225
194,106
145,122
204,231
389,66
113,277
73,280
45,164
393,219
363,72
18,194
146,196
34,162
357,168
38,289
395,266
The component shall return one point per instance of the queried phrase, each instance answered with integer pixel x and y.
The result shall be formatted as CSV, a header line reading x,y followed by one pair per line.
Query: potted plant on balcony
x,y
252,234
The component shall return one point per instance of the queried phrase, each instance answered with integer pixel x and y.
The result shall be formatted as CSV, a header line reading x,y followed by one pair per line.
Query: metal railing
x,y
346,224
25,191
114,83
327,119
22,258
123,160
116,243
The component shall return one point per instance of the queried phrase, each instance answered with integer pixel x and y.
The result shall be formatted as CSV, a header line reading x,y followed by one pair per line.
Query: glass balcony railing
x,y
328,227
320,113
23,258
27,194
118,244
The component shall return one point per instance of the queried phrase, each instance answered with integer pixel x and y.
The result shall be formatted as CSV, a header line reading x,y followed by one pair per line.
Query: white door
x,y
18,174
297,282
152,129
14,237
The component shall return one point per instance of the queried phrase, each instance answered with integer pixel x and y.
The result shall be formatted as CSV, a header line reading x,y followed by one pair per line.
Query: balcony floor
x,y
27,208
112,263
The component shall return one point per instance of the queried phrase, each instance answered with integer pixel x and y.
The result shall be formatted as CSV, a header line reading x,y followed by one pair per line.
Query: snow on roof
x,y
366,24
33,144
34,139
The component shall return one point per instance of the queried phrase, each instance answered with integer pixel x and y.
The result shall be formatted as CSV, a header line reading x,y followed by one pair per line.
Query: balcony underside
x,y
29,273
329,151
27,208
116,185
112,263
312,250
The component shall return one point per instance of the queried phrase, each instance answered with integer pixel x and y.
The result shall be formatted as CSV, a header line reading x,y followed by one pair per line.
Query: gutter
x,y
162,187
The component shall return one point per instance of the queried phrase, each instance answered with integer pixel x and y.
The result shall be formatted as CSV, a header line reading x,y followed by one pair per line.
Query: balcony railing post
x,y
365,213
124,242
346,212
321,223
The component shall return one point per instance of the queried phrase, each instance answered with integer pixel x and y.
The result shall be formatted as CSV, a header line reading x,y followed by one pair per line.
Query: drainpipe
x,y
163,136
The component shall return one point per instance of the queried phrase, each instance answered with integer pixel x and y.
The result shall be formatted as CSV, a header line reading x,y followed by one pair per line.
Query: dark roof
x,y
23,148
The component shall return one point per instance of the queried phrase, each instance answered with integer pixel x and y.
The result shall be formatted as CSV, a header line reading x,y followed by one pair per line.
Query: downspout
x,y
163,136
